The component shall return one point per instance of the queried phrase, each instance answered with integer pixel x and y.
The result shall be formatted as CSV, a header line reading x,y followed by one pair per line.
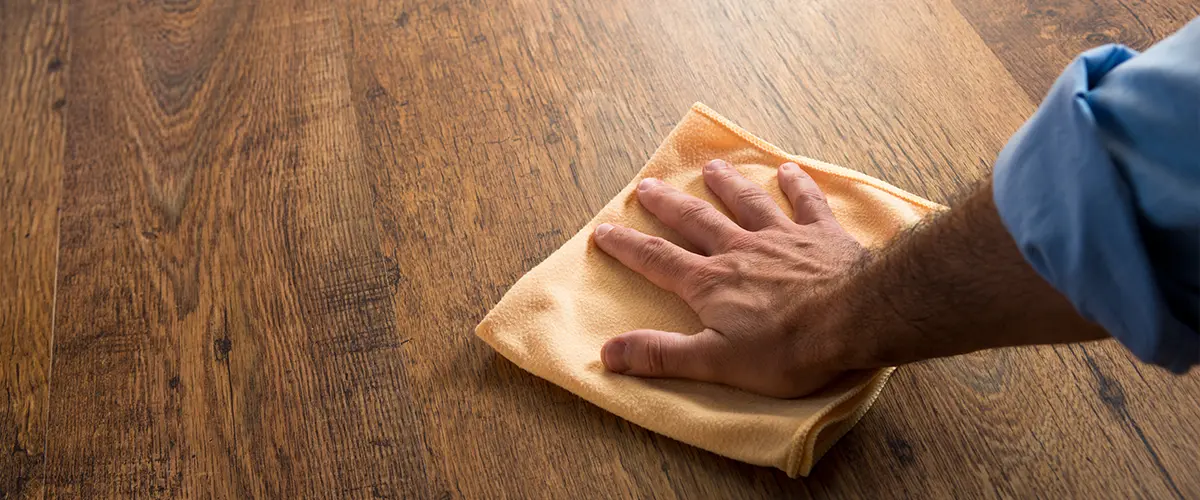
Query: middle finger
x,y
697,220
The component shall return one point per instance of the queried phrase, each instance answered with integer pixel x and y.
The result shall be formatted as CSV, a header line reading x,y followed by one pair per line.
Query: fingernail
x,y
603,229
614,356
789,167
647,183
715,165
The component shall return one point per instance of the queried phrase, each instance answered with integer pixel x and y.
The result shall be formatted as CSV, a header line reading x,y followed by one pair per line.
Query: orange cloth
x,y
555,318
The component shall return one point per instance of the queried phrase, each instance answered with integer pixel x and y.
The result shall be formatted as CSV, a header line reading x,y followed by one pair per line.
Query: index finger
x,y
660,261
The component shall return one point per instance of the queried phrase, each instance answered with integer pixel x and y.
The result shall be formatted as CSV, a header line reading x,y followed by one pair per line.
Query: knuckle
x,y
653,250
734,271
655,355
654,246
742,241
812,193
751,196
709,278
693,211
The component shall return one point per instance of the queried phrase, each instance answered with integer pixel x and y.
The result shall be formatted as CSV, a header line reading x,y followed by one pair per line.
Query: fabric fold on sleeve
x,y
1100,191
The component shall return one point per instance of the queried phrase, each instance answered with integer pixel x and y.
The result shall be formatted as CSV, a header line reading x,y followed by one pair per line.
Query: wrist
x,y
853,340
862,325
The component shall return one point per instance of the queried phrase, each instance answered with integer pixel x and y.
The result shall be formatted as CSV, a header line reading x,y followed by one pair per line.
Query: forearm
x,y
956,283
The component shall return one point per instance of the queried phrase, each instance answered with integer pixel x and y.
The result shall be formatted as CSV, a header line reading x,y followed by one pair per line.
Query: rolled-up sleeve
x,y
1101,191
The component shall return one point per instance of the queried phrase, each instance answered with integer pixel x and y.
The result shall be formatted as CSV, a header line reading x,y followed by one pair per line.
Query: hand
x,y
763,287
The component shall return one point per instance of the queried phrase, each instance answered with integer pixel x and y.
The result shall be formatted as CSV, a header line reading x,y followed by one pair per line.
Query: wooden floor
x,y
243,245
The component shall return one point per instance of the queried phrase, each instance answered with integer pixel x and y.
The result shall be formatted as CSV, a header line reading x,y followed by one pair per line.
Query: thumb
x,y
653,353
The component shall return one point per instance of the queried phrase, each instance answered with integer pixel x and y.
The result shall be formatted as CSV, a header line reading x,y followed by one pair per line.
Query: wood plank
x,y
1011,423
33,46
225,327
1036,39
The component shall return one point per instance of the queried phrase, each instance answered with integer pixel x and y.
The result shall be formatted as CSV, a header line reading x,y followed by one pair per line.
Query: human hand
x,y
764,287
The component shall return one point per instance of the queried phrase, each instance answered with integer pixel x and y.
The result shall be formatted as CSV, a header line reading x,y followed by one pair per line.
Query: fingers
x,y
659,260
807,199
752,206
653,353
695,219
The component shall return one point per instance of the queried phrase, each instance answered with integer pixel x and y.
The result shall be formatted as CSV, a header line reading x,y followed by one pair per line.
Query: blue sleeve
x,y
1101,191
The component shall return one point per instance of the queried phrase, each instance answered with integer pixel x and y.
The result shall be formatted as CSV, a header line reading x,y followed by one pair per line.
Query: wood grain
x,y
1036,39
224,322
32,55
281,220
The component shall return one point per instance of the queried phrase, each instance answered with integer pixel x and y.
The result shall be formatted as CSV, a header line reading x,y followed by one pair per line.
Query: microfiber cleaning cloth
x,y
555,319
